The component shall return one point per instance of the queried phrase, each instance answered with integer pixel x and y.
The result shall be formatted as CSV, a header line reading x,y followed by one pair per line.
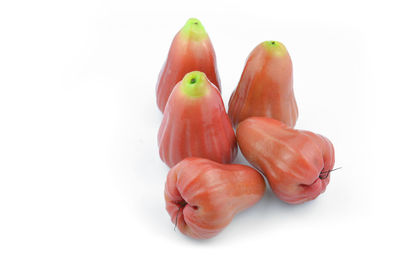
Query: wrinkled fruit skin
x,y
265,88
191,50
196,125
203,196
296,163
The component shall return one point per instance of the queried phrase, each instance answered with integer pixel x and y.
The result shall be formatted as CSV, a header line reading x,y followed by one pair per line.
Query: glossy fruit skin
x,y
186,54
196,126
203,196
296,163
266,86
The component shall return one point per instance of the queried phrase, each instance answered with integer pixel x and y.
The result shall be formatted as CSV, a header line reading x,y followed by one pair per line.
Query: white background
x,y
81,181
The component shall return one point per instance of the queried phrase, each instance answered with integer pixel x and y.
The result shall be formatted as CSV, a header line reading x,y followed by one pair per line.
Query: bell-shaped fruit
x,y
296,163
191,50
266,86
195,123
203,196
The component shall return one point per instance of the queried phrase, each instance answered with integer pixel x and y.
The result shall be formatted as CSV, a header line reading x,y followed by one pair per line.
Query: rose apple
x,y
195,123
191,50
203,196
266,86
296,163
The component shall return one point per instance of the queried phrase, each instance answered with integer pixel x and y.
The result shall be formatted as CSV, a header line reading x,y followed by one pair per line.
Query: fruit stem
x,y
194,30
194,84
181,204
275,48
327,172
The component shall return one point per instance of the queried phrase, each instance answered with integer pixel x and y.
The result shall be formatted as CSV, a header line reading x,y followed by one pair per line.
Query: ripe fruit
x,y
203,196
191,50
195,123
296,163
266,86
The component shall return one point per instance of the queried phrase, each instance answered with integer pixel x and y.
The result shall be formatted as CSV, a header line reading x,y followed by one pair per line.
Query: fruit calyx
x,y
181,205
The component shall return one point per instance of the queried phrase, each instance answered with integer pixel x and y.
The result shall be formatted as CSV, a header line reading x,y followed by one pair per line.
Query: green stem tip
x,y
194,84
194,30
275,47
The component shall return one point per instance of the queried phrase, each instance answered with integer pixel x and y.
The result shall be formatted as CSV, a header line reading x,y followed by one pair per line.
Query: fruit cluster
x,y
197,140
